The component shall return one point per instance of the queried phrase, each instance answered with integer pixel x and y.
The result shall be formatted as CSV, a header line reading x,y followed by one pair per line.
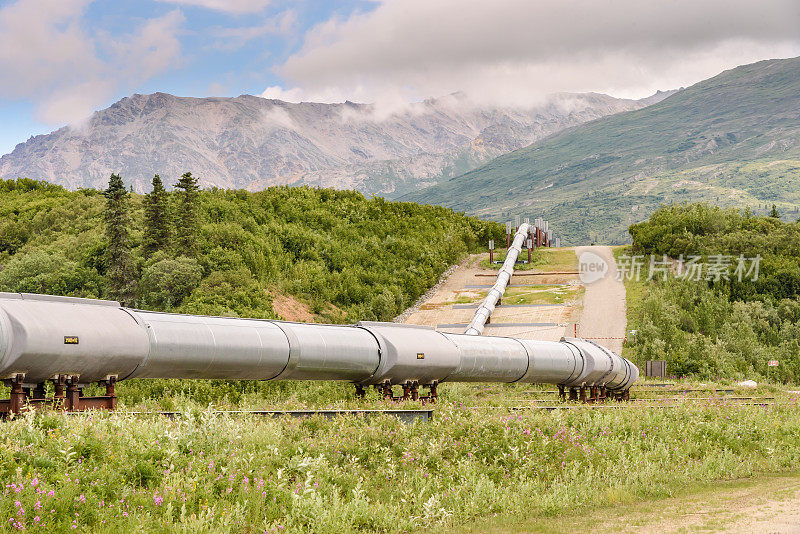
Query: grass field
x,y
490,460
549,294
478,459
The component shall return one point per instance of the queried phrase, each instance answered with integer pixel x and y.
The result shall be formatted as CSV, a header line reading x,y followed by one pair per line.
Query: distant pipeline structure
x,y
74,342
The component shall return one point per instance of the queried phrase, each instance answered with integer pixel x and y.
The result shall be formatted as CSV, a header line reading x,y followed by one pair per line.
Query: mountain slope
x,y
251,142
733,139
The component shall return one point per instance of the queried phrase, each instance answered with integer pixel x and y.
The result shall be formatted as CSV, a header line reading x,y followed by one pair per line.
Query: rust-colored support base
x,y
38,391
17,400
73,394
67,395
387,390
59,398
410,391
434,394
595,394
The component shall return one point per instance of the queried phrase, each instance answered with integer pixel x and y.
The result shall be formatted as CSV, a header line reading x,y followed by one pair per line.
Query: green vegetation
x,y
210,473
186,216
550,294
157,220
719,328
121,283
730,140
759,503
346,257
550,259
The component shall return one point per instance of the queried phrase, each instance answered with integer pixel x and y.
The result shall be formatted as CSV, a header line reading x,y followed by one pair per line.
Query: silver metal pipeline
x,y
43,338
475,327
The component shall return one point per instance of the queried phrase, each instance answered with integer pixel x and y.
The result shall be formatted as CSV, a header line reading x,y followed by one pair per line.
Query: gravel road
x,y
603,319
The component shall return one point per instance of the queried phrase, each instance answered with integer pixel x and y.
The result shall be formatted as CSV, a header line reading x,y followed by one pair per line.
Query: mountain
x,y
250,142
733,140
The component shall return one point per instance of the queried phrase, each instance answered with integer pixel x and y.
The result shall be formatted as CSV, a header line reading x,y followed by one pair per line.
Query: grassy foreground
x,y
476,460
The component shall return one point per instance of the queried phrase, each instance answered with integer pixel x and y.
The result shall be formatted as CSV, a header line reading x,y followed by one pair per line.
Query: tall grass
x,y
207,472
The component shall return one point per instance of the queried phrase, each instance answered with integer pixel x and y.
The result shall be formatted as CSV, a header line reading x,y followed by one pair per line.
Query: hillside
x,y
713,324
252,143
295,253
733,140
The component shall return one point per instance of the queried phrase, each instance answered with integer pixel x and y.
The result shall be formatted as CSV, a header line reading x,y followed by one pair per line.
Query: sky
x,y
60,60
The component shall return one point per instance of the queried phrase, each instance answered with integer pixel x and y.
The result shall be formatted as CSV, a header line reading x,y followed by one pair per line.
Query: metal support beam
x,y
415,390
17,400
73,394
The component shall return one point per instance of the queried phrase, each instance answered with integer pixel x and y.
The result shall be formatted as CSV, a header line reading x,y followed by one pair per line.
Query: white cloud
x,y
517,50
277,92
234,38
154,46
41,42
48,57
234,7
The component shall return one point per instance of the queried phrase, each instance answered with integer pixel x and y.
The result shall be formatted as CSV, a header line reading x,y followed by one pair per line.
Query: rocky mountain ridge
x,y
251,142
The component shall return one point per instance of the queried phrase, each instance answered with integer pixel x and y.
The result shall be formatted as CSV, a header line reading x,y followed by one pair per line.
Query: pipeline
x,y
476,326
74,342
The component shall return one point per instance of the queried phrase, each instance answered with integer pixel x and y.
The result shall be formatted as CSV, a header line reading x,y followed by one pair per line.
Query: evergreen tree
x,y
774,212
186,224
120,273
157,224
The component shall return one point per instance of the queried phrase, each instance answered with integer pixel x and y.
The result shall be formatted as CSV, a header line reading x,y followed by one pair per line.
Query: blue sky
x,y
212,59
60,60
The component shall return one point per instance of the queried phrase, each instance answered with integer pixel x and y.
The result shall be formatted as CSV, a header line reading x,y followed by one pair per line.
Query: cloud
x,y
517,50
48,57
153,47
277,92
234,38
234,7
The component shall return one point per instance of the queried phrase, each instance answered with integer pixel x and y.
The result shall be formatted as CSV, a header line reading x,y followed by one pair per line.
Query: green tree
x,y
120,272
168,281
186,224
157,223
774,212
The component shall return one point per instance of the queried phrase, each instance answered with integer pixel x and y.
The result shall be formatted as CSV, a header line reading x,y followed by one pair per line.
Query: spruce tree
x,y
186,223
157,224
121,282
774,212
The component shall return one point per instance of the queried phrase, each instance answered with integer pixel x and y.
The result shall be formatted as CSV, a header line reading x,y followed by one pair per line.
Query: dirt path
x,y
769,504
454,301
603,318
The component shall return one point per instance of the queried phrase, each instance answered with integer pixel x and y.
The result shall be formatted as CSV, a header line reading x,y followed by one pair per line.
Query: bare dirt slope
x,y
603,318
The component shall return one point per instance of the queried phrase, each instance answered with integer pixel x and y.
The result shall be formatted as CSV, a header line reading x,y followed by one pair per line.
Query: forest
x,y
230,252
719,328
